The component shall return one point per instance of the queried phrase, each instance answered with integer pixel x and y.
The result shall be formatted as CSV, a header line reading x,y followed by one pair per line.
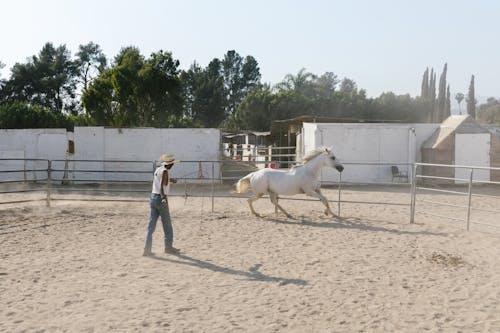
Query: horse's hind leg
x,y
251,200
274,199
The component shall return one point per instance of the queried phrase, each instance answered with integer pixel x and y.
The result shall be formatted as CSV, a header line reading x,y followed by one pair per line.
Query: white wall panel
x,y
368,143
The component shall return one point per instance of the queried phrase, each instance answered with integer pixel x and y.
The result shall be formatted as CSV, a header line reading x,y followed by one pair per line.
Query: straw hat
x,y
167,159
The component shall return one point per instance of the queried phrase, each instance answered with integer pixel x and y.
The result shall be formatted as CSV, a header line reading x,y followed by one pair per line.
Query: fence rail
x,y
467,184
113,176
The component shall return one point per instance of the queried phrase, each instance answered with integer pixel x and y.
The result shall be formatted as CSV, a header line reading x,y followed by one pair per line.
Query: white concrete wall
x,y
50,144
143,146
396,144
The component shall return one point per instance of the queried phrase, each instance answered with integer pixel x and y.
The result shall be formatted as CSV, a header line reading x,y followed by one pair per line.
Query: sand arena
x,y
77,267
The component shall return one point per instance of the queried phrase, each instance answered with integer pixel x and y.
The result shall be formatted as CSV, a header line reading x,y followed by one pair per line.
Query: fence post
x,y
413,193
49,181
470,197
213,185
340,190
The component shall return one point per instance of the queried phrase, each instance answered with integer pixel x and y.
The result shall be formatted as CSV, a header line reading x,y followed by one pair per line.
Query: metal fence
x,y
126,180
462,188
131,181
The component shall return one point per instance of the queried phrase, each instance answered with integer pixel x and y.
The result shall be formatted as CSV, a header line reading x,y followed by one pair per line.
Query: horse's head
x,y
331,160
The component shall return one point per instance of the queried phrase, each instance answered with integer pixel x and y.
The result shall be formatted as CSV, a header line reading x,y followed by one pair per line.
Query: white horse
x,y
303,178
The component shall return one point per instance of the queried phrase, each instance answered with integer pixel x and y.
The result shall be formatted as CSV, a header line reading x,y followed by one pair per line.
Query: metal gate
x,y
468,190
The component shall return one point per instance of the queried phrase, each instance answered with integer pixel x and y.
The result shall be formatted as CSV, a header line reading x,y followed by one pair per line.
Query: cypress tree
x,y
442,95
432,96
471,99
424,94
447,108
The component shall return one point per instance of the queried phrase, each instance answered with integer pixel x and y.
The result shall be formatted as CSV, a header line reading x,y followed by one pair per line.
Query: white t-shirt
x,y
157,181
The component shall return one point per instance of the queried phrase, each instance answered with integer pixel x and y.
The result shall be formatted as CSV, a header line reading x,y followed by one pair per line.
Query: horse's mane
x,y
312,154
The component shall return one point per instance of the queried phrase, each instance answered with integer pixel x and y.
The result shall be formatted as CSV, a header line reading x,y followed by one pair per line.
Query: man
x,y
159,205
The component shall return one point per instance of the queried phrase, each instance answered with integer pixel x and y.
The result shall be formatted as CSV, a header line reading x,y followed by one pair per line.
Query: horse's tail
x,y
243,184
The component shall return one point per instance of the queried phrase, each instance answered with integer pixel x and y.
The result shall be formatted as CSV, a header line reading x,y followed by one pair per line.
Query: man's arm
x,y
164,182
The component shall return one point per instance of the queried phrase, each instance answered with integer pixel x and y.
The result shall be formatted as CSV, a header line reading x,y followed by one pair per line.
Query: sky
x,y
383,45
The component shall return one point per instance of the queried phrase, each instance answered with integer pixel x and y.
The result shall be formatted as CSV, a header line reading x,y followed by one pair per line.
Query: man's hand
x,y
173,180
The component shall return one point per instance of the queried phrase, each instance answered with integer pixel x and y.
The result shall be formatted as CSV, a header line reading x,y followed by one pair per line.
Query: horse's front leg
x,y
317,194
274,199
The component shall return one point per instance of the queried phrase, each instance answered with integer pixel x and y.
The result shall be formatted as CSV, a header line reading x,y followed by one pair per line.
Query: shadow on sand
x,y
252,274
353,223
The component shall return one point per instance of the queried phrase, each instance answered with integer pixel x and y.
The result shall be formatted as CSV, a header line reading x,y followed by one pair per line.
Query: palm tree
x,y
459,97
298,82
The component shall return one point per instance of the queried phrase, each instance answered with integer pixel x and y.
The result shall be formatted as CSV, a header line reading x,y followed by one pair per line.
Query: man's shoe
x,y
172,250
148,253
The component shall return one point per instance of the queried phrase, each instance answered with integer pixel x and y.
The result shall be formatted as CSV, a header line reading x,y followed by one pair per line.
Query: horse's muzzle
x,y
339,167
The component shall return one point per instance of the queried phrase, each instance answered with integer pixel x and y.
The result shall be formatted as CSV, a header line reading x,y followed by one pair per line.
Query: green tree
x,y
489,113
90,62
459,97
20,114
424,91
160,90
136,91
301,83
98,100
432,98
447,105
191,81
324,88
471,99
441,103
2,65
240,76
209,100
47,79
254,112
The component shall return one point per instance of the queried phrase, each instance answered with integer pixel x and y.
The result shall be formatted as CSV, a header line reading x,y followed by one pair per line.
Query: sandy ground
x,y
78,267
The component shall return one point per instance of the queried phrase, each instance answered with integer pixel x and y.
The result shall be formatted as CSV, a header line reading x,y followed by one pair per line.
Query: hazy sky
x,y
383,45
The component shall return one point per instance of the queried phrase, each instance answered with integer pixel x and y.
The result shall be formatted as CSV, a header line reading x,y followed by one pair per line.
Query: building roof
x,y
255,133
453,124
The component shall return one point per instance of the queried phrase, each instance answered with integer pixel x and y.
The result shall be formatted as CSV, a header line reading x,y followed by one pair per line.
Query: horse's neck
x,y
315,165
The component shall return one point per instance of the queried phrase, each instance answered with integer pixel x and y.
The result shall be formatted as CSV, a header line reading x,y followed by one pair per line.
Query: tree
x,y
190,81
90,62
2,65
441,104
18,114
300,83
136,91
447,105
47,79
254,112
240,76
489,113
471,99
424,91
98,100
209,100
459,97
432,97
160,90
324,88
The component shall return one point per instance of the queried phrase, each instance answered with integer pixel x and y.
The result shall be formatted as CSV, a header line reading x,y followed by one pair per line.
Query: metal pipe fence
x,y
122,178
129,180
467,188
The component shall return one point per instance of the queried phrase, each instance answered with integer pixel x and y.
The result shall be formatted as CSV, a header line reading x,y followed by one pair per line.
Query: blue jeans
x,y
159,209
